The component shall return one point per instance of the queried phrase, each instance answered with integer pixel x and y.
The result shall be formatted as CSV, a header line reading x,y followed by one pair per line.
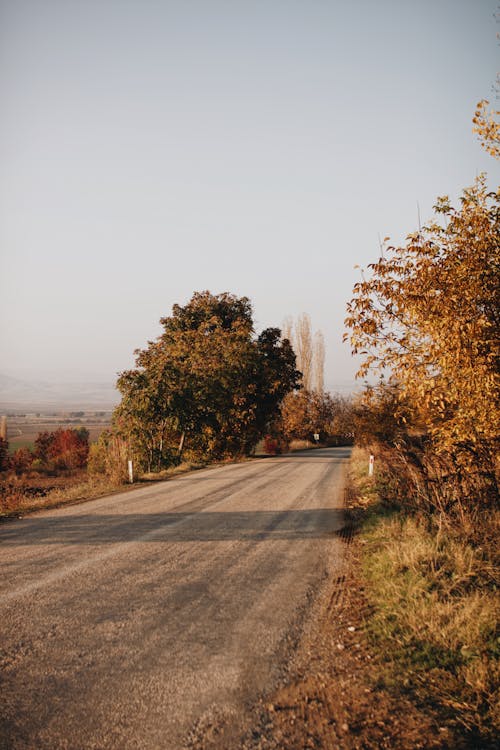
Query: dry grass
x,y
28,494
21,498
435,614
364,485
182,468
300,445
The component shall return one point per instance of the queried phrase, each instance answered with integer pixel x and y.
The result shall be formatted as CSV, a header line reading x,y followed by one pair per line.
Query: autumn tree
x,y
287,329
207,378
309,350
63,448
311,410
21,460
43,443
487,127
306,413
428,314
380,414
319,362
4,454
304,349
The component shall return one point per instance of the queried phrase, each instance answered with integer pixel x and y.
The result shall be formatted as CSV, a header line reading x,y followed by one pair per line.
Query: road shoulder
x,y
327,696
330,699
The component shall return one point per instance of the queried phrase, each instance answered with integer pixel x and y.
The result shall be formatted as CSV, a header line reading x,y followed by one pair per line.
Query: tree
x,y
380,415
310,352
63,449
429,315
145,417
21,460
308,412
43,443
319,362
304,349
287,329
487,127
207,377
4,454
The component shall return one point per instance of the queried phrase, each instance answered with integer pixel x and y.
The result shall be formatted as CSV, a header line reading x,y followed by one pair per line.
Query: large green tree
x,y
208,379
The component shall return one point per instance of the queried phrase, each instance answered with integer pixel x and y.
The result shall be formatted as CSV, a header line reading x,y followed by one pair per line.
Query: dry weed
x,y
435,610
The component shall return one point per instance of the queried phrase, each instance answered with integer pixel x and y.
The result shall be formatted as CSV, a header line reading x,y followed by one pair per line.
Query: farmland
x,y
22,429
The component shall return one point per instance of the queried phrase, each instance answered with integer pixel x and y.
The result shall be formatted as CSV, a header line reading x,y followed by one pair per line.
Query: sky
x,y
153,148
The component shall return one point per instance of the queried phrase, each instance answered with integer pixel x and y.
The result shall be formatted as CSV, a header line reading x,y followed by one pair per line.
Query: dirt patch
x,y
20,496
16,492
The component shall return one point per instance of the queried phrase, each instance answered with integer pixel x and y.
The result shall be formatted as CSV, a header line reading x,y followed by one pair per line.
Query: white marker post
x,y
130,472
370,466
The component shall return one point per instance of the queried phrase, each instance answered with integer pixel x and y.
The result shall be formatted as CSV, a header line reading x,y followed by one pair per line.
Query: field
x,y
22,429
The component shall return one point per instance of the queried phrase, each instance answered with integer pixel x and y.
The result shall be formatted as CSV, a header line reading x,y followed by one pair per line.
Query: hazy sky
x,y
151,148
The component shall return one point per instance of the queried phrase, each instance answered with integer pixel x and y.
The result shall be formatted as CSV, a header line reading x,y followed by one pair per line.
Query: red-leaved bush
x,y
63,449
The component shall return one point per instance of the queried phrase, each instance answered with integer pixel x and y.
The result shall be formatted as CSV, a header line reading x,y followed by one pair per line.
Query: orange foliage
x,y
63,449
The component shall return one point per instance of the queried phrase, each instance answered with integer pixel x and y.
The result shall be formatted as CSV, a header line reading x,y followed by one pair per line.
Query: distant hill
x,y
34,395
343,387
18,394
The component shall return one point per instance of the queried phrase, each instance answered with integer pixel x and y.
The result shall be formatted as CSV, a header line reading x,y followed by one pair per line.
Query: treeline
x,y
59,450
428,313
312,411
426,318
207,389
210,389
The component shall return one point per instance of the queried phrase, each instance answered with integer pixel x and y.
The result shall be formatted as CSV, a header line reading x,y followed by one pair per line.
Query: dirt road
x,y
143,619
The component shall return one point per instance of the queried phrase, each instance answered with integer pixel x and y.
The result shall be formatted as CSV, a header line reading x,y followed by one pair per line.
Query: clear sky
x,y
153,148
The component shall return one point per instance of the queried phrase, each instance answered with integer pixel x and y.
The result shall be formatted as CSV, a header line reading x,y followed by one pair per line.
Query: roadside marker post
x,y
370,466
130,472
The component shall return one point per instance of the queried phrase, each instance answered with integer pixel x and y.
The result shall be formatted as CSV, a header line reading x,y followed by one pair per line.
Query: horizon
x,y
62,394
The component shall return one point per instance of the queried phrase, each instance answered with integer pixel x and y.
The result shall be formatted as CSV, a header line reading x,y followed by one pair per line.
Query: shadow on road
x,y
206,526
315,454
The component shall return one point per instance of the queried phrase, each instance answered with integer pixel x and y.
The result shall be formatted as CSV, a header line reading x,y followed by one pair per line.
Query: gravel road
x,y
142,619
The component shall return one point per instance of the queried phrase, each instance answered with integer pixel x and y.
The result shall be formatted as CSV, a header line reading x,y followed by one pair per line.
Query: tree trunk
x,y
181,445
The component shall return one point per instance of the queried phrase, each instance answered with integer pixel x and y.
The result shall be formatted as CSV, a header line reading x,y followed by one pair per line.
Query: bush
x,y
21,460
63,449
108,457
271,445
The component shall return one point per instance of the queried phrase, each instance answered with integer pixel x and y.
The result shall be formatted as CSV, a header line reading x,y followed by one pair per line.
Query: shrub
x,y
271,445
109,457
21,460
63,448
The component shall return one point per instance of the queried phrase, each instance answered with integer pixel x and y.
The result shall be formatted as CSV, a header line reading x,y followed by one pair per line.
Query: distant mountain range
x,y
35,395
18,394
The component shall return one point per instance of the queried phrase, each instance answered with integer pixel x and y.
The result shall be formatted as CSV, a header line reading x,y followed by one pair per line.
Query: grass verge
x,y
32,492
27,496
434,613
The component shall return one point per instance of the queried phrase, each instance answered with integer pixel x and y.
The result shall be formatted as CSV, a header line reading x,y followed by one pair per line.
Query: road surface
x,y
127,621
